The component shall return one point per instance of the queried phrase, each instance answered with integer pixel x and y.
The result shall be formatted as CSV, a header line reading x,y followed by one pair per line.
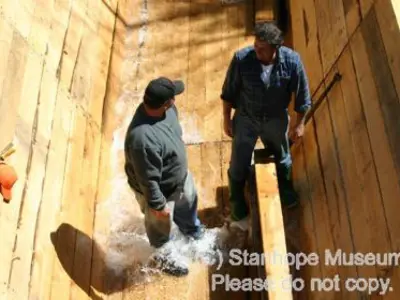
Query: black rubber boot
x,y
169,265
288,195
237,200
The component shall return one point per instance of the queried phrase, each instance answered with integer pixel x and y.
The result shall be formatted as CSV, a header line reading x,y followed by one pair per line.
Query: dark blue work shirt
x,y
246,91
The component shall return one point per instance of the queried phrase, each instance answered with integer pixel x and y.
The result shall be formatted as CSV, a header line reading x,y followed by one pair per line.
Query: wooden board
x,y
388,97
380,142
332,33
21,161
389,24
6,40
72,44
44,255
273,231
365,206
353,16
196,84
326,238
12,84
64,241
366,167
366,6
306,228
56,38
214,67
31,201
265,10
337,199
306,41
41,20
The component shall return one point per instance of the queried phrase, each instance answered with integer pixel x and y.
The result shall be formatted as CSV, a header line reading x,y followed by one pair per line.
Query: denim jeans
x,y
183,211
274,135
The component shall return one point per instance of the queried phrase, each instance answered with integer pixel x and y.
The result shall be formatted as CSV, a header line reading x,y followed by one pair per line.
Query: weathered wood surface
x,y
353,137
73,73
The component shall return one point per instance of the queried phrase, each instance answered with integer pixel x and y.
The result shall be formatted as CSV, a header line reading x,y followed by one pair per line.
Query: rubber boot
x,y
288,195
237,200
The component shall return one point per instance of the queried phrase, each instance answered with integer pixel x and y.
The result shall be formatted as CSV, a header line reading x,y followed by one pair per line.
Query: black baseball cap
x,y
160,90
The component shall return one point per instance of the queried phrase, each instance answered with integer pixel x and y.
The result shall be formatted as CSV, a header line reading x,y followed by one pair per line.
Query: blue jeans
x,y
183,211
274,135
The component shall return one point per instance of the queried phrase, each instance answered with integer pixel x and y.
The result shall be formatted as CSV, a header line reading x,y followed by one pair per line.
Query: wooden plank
x,y
389,30
208,182
101,65
332,33
230,44
366,169
84,209
72,44
366,6
85,76
87,79
196,85
9,11
305,40
308,228
326,239
265,10
40,25
44,255
337,198
24,17
67,220
388,97
353,15
365,206
376,129
273,232
102,221
214,71
6,41
21,161
57,36
31,202
245,36
11,92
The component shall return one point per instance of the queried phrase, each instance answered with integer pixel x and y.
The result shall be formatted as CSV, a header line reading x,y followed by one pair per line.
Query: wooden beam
x,y
265,10
273,232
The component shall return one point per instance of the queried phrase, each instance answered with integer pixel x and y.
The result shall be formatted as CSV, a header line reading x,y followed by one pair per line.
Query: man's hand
x,y
298,132
228,127
164,213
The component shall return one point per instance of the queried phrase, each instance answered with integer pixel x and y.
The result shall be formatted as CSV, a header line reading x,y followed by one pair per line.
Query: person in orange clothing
x,y
8,177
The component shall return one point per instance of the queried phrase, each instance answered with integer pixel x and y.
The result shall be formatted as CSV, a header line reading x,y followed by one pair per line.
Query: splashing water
x,y
125,246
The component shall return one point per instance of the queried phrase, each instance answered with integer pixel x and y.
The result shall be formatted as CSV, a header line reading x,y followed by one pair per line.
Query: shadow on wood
x,y
113,279
214,216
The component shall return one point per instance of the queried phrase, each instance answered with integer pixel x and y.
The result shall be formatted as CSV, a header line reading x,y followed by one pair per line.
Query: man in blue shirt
x,y
259,84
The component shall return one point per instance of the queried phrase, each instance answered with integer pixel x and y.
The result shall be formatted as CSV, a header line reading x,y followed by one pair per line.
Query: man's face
x,y
264,51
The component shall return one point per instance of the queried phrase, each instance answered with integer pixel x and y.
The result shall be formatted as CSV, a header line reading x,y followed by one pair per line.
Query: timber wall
x,y
72,73
53,72
347,167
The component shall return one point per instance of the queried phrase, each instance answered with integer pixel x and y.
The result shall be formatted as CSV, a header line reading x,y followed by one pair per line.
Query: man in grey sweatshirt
x,y
157,169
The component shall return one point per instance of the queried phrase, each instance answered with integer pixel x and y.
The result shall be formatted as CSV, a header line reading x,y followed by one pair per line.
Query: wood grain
x,y
273,231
